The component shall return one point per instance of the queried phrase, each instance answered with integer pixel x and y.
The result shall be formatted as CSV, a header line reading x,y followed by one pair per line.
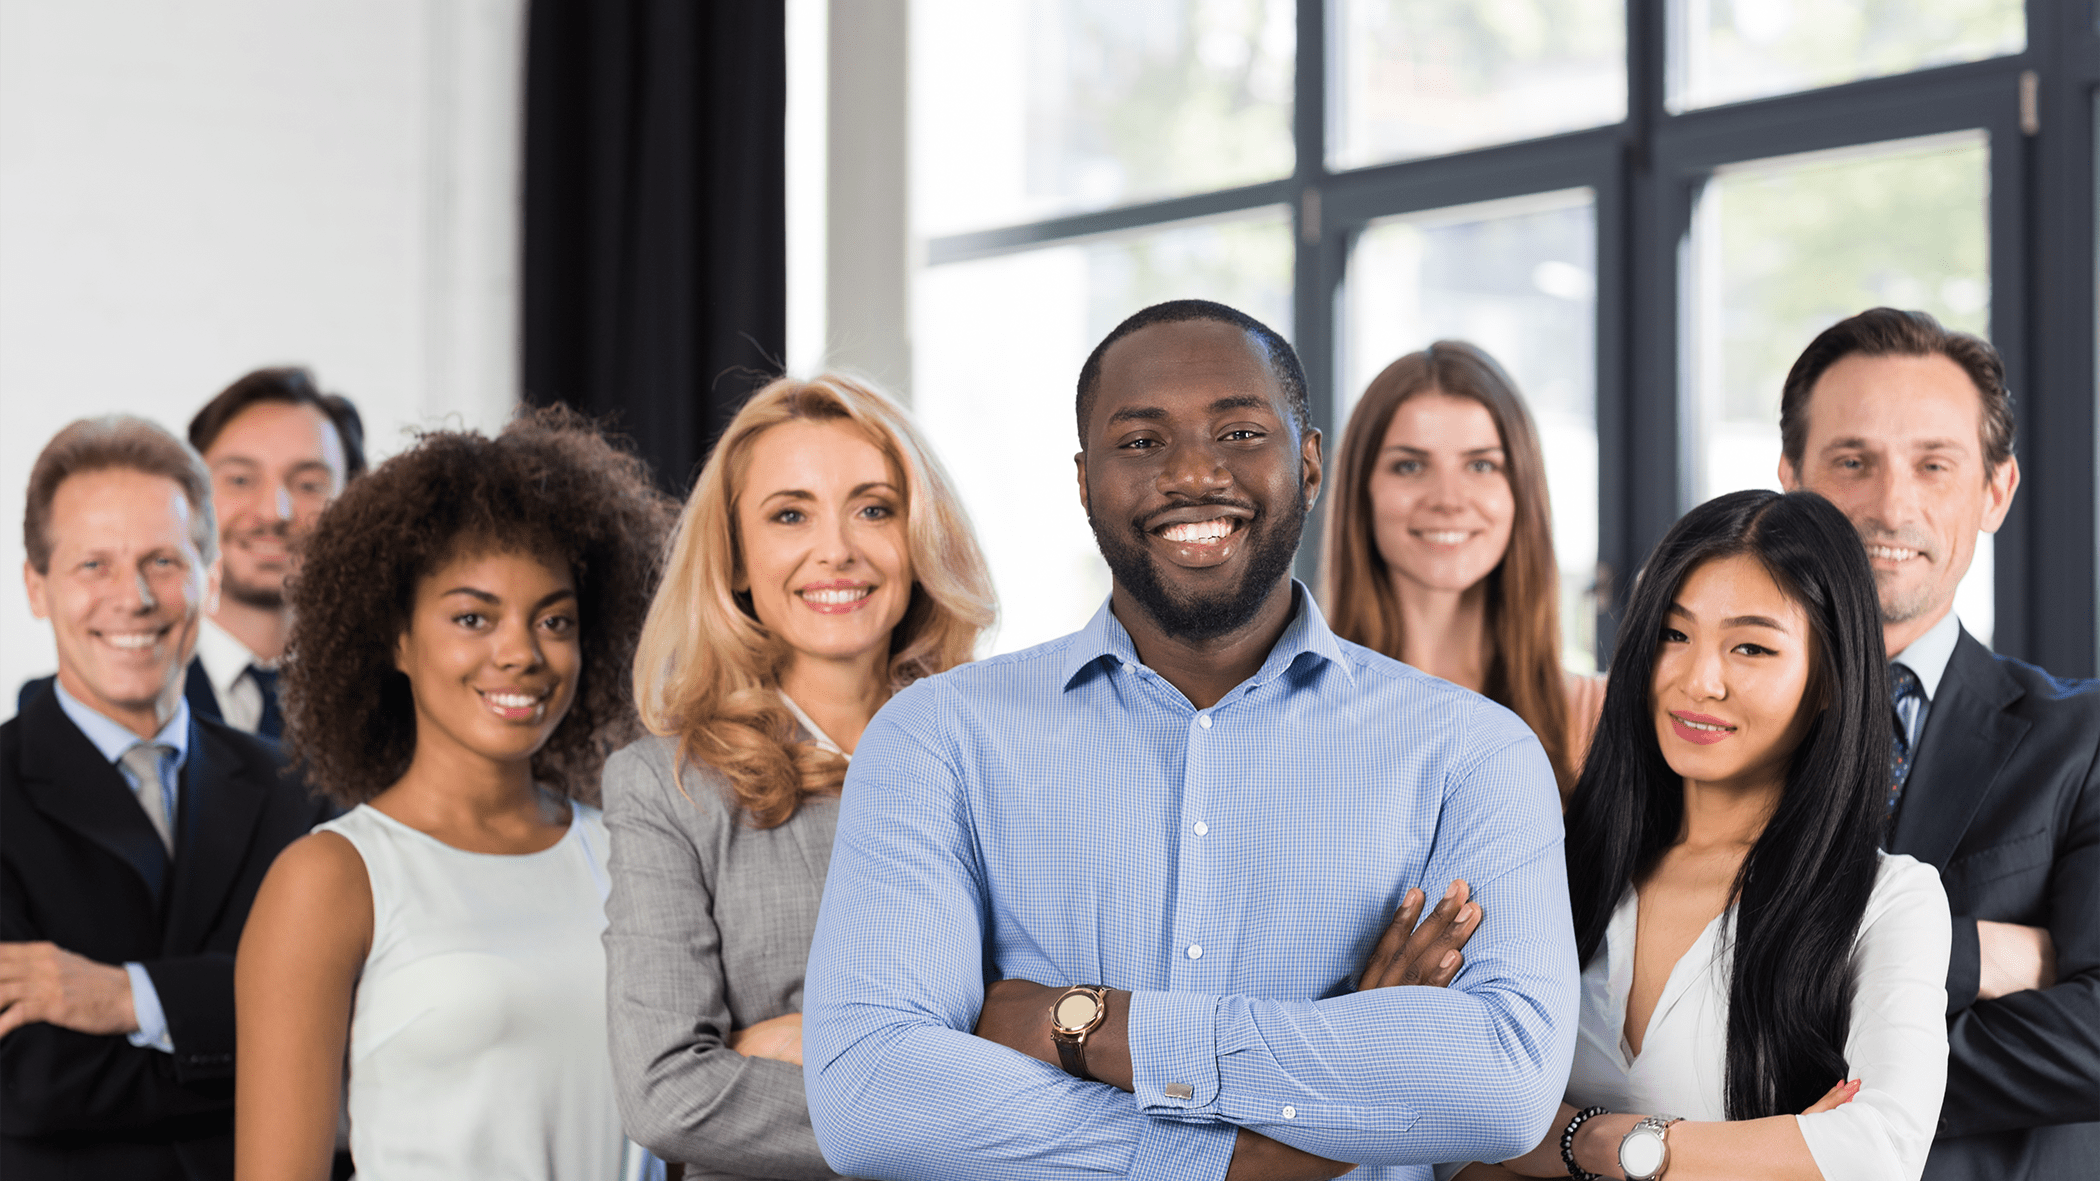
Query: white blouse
x,y
1896,1046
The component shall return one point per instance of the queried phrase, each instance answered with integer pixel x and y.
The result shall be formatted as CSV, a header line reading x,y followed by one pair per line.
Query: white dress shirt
x,y
226,662
1896,1045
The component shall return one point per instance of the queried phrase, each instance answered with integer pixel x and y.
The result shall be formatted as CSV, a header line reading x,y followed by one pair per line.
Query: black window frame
x,y
1646,173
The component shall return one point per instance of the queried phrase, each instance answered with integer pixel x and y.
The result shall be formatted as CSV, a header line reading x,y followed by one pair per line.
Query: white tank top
x,y
477,1039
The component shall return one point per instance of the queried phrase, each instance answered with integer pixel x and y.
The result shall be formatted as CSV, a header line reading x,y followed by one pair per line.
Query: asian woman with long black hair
x,y
1752,962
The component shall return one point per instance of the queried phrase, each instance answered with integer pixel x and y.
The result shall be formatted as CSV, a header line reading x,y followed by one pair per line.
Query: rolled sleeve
x,y
152,1031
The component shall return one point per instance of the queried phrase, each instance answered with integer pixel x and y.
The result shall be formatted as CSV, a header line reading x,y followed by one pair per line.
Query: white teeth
x,y
1892,553
1703,726
1198,530
1450,537
844,594
131,639
512,700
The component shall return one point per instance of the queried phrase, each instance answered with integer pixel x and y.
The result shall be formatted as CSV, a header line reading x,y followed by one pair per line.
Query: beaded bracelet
x,y
1567,1143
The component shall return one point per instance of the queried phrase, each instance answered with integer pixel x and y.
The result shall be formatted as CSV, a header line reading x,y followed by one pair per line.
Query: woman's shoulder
x,y
1905,886
650,767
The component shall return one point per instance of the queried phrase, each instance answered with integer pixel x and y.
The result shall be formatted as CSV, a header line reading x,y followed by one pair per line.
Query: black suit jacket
x,y
81,866
2004,799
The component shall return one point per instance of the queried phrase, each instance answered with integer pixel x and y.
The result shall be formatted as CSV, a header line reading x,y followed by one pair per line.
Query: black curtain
x,y
655,224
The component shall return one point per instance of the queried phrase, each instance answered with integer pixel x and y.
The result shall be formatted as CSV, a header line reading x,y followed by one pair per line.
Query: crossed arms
x,y
899,1086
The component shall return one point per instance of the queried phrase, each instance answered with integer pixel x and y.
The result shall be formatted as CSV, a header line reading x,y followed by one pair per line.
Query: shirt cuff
x,y
1174,1054
152,1031
1964,965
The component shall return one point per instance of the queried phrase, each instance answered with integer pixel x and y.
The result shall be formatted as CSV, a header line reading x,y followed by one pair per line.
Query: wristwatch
x,y
1644,1152
1077,1012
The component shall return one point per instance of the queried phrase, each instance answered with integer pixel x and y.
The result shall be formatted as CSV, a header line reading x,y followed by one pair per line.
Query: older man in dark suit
x,y
1995,775
133,835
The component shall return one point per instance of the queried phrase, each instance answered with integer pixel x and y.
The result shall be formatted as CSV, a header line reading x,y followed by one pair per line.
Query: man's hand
x,y
778,1038
1429,953
45,982
2014,958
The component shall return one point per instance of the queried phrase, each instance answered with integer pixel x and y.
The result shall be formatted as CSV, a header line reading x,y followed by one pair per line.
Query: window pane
x,y
1028,110
1423,77
1516,278
1726,51
997,346
1782,249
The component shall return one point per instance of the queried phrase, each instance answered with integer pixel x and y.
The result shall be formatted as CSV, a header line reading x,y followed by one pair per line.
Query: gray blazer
x,y
709,929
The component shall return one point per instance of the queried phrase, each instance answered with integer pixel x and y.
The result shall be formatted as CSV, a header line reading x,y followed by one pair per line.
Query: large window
x,y
1644,210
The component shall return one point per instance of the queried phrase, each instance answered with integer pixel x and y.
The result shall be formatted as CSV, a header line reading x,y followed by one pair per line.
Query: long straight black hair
x,y
1803,888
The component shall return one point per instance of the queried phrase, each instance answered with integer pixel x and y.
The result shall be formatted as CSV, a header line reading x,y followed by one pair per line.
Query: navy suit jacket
x,y
2004,799
81,866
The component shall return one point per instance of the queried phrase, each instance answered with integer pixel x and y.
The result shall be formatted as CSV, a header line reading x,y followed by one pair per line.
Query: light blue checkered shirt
x,y
1063,814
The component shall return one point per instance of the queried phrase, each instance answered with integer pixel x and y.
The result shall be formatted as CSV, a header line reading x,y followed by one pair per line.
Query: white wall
x,y
189,191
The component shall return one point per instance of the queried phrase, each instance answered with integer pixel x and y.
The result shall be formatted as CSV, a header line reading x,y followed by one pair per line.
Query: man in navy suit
x,y
1995,774
133,834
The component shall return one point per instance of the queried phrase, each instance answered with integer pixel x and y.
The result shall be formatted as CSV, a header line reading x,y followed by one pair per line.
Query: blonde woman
x,y
821,563
1439,547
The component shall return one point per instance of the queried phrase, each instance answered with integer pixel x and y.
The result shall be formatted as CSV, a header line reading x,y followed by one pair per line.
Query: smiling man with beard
x,y
1156,874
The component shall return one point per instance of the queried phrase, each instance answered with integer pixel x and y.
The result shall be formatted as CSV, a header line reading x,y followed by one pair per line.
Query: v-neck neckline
x,y
1620,937
816,732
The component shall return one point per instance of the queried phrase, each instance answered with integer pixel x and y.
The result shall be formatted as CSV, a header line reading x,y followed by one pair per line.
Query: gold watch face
x,y
1075,1011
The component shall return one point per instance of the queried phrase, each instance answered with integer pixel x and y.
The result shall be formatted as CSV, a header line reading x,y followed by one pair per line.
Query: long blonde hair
x,y
1523,592
707,672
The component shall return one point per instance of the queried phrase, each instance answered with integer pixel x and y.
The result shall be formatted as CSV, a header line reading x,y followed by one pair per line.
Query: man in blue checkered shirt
x,y
1098,908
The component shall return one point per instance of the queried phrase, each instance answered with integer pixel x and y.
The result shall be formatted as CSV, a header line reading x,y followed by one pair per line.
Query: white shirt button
x,y
1203,720
1290,1112
1195,951
1202,829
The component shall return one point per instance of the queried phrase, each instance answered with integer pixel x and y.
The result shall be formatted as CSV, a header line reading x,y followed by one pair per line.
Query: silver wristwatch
x,y
1644,1152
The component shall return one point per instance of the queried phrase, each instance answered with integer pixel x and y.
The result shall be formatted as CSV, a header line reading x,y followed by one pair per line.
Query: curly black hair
x,y
549,484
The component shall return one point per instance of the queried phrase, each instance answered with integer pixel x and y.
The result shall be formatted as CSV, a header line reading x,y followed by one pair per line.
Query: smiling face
x,y
123,590
1896,443
1441,504
1193,478
492,654
274,467
1732,676
820,528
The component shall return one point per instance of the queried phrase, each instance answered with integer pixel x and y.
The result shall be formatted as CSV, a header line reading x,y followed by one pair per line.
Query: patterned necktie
x,y
270,723
1907,696
143,761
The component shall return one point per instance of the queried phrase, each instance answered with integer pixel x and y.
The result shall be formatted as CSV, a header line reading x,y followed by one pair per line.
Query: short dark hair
x,y
1282,358
283,383
114,441
1889,332
551,484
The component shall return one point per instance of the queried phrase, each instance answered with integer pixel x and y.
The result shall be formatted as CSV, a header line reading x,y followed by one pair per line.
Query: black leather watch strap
x,y
1072,1056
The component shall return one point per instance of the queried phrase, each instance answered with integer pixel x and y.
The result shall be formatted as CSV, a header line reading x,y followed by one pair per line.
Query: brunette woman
x,y
1747,952
464,622
822,563
1439,545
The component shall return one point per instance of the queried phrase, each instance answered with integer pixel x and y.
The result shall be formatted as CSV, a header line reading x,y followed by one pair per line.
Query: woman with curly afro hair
x,y
464,621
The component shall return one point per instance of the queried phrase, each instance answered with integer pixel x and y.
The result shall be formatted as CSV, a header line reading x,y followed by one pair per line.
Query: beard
x,y
1272,545
264,595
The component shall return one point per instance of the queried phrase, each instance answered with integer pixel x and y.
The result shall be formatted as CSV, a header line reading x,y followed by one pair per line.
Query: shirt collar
x,y
1928,655
1306,635
112,738
816,732
224,657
